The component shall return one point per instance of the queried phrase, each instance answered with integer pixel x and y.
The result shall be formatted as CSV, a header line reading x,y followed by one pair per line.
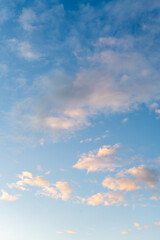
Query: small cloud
x,y
154,105
41,141
7,197
71,232
86,140
157,111
60,232
125,120
39,168
64,189
146,226
137,225
154,198
124,232
48,172
157,224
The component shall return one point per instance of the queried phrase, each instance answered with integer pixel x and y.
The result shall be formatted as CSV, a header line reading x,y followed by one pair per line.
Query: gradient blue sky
x,y
80,120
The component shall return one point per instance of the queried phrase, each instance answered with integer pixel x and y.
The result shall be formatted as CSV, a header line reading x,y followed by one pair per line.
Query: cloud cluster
x,y
109,74
101,160
60,189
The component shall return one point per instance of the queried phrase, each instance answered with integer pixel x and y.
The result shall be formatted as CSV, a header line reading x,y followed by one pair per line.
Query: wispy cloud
x,y
27,19
71,232
157,223
23,49
125,120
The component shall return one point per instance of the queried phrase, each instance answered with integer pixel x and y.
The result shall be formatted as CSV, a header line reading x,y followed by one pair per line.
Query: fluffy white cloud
x,y
7,197
103,159
121,184
60,189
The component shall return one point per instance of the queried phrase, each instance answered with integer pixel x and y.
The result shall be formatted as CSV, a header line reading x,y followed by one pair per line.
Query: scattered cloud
x,y
60,189
86,140
101,160
7,197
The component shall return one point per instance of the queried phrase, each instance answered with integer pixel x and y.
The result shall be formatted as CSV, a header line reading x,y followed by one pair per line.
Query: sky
x,y
80,120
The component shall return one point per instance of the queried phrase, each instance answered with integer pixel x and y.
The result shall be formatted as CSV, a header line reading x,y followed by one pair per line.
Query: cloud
x,y
157,223
60,189
7,197
154,105
60,232
86,140
66,102
125,120
71,232
124,232
137,225
154,198
101,160
121,184
145,175
106,199
157,111
27,19
146,226
64,188
23,49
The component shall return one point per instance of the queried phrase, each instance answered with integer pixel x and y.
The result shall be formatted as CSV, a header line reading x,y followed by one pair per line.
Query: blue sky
x,y
80,120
